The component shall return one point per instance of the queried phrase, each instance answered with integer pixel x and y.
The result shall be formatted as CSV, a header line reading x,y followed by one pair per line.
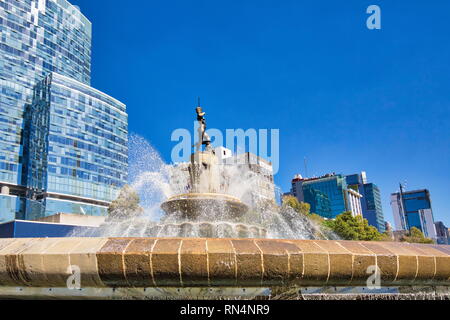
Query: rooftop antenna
x,y
403,186
306,167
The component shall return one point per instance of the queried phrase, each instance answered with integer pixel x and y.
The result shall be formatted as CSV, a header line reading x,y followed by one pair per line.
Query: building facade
x,y
413,209
328,195
318,201
259,173
38,38
353,199
372,209
77,149
442,233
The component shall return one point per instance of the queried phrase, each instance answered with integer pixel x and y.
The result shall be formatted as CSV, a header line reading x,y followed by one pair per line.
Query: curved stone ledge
x,y
177,262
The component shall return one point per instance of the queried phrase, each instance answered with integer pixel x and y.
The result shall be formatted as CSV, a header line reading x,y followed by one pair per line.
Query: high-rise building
x,y
371,199
38,38
413,209
327,195
77,148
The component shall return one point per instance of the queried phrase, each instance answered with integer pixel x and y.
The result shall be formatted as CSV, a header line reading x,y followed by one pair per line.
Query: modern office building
x,y
36,37
328,195
442,233
371,199
413,209
77,148
57,134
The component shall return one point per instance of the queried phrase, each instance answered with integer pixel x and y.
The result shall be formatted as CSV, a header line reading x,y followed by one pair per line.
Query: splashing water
x,y
155,182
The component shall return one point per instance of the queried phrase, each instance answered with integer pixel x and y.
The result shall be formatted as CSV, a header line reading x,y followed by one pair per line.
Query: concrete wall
x,y
74,219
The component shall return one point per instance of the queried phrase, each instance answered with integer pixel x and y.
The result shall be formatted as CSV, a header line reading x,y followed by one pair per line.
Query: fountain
x,y
203,198
208,244
207,199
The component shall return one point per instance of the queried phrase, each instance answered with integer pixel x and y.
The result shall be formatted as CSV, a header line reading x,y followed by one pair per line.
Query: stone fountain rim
x,y
201,262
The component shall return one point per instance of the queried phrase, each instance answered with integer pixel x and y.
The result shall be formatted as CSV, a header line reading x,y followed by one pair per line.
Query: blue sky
x,y
347,98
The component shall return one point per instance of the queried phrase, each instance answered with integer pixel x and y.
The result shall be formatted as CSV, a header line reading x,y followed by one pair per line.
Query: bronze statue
x,y
203,137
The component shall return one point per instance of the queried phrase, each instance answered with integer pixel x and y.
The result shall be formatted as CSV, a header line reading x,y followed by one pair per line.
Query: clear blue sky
x,y
345,97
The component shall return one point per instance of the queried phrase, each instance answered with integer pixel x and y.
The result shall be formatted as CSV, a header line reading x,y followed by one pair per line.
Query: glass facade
x,y
372,208
9,207
77,146
353,179
319,202
63,144
371,200
333,188
36,37
413,209
412,203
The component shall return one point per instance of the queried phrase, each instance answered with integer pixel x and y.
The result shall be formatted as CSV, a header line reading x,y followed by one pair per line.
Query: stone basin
x,y
205,229
194,205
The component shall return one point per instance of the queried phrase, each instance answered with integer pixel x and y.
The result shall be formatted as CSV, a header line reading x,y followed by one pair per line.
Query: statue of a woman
x,y
203,137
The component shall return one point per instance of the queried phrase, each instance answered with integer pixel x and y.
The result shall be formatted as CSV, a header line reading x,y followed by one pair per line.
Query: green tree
x,y
353,228
415,236
300,207
126,205
386,236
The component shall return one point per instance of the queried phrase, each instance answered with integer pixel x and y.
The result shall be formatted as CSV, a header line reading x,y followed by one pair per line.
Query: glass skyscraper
x,y
372,207
413,209
371,200
63,144
327,195
333,187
